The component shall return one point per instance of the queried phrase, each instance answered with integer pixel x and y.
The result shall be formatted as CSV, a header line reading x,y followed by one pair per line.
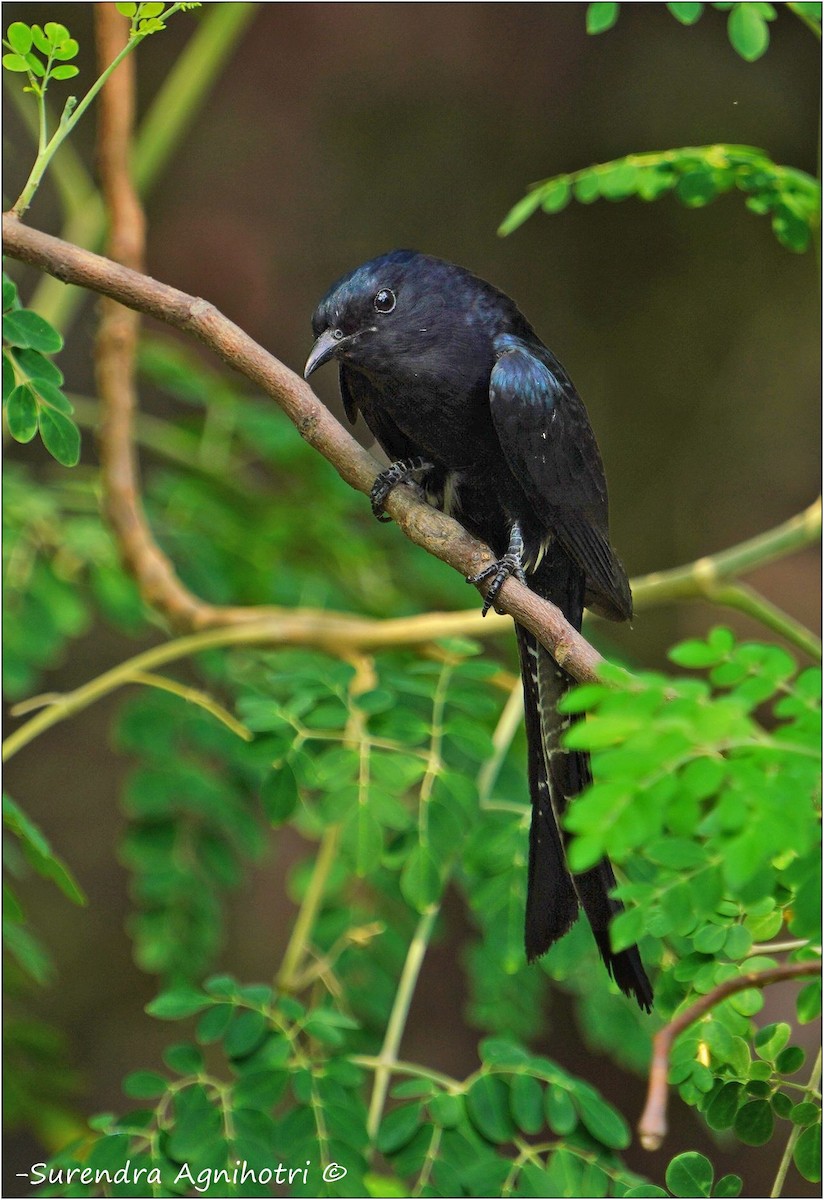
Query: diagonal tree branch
x,y
428,528
652,1127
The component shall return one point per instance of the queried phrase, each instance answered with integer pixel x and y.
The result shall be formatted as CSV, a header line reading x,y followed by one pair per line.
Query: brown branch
x,y
116,343
428,528
652,1127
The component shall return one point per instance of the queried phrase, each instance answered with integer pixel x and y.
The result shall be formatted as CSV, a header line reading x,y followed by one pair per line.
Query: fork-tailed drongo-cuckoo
x,y
463,396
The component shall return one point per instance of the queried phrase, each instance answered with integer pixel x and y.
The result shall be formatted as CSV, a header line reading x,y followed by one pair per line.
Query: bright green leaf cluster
x,y
150,17
747,24
695,175
32,385
41,53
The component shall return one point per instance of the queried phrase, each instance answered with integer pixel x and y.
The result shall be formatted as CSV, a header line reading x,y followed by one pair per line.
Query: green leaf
x,y
63,52
144,1085
728,1186
790,1060
398,1128
21,413
52,396
61,437
807,1154
556,194
184,1059
560,1111
771,1040
748,31
723,1107
15,62
246,1031
38,368
690,1174
279,794
55,32
176,1004
754,1123
805,1113
602,1120
420,879
65,72
696,188
808,1003
626,928
24,327
487,1105
526,1098
601,16
447,1109
687,14
40,40
127,10
19,36
39,852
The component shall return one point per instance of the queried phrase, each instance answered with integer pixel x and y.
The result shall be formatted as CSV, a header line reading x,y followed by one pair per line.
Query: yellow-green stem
x,y
787,1156
298,942
388,1057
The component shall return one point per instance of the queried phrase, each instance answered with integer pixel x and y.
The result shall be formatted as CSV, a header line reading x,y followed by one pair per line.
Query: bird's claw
x,y
388,480
501,570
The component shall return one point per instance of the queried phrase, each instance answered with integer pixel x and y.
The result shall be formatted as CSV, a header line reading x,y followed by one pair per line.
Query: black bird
x,y
463,396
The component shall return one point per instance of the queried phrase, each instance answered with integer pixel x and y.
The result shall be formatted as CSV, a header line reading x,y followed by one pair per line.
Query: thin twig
x,y
293,958
652,1127
787,1156
338,635
387,1061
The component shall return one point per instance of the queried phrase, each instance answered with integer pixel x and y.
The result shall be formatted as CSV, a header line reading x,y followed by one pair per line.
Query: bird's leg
x,y
502,568
399,472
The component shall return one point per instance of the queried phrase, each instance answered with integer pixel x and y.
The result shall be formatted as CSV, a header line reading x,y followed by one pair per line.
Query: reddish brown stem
x,y
652,1127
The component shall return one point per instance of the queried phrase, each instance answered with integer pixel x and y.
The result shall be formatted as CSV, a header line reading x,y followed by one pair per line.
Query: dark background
x,y
342,130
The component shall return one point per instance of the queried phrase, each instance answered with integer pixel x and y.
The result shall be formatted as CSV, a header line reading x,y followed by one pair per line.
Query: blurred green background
x,y
339,131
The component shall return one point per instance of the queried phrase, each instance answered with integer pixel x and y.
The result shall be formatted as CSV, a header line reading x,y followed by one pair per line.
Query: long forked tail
x,y
555,776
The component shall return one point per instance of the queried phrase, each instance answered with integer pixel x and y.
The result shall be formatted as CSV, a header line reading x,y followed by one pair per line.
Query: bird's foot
x,y
502,569
399,472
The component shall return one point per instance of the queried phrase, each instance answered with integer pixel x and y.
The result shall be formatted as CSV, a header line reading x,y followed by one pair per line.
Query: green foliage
x,y
32,385
395,766
42,53
148,17
277,1091
699,777
747,23
695,175
192,823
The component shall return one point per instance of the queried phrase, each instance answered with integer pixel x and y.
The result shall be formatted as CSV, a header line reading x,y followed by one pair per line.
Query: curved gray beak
x,y
327,345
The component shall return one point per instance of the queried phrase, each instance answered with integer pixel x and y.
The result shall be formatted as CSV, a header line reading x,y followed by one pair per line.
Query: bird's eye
x,y
384,300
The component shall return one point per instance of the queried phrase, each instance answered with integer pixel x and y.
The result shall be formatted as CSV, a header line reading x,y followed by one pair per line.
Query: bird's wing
x,y
350,403
547,440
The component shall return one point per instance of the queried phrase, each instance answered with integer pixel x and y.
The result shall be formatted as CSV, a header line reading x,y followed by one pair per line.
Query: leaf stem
x,y
296,949
787,1156
652,1127
387,1061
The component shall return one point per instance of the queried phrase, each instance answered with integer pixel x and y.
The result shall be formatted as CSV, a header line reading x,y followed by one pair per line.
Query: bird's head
x,y
388,312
